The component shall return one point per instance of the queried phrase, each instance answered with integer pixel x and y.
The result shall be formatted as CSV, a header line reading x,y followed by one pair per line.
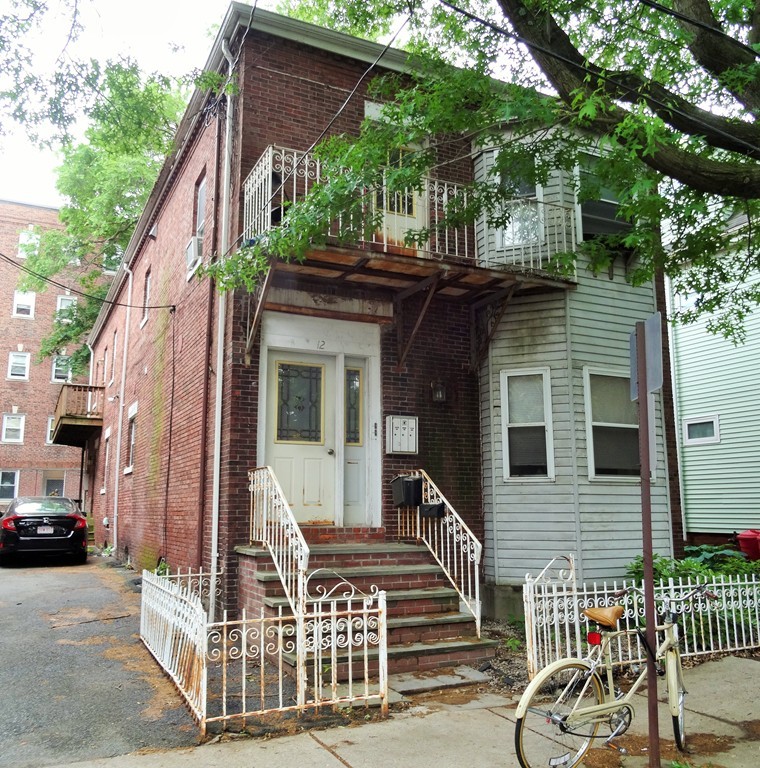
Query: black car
x,y
43,524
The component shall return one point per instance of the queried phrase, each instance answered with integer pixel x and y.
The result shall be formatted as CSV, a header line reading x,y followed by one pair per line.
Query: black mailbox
x,y
407,490
436,510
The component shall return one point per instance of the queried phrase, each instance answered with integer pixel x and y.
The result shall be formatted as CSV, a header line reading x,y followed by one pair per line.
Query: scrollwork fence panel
x,y
556,627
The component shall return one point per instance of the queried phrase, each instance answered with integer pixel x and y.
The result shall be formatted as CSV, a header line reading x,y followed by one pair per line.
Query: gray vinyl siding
x,y
598,521
720,481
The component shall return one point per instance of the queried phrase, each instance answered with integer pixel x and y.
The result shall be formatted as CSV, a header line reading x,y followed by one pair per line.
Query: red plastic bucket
x,y
749,543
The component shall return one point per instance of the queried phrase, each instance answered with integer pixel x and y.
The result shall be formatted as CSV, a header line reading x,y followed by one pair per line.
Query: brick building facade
x,y
30,463
315,371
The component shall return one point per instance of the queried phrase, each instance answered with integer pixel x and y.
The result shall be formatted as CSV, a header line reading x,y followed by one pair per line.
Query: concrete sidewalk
x,y
470,726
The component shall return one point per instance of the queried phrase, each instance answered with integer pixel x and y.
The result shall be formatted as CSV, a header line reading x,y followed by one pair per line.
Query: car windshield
x,y
45,507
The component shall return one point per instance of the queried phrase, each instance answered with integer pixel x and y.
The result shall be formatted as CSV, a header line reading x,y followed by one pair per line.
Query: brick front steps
x,y
426,629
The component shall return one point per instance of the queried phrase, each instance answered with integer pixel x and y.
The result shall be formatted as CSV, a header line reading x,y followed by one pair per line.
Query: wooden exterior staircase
x,y
426,628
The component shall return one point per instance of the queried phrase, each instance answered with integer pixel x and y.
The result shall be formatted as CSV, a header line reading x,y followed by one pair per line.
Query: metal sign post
x,y
646,377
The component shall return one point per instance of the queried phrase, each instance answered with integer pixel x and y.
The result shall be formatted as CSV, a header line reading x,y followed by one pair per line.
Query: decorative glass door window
x,y
400,202
300,403
353,406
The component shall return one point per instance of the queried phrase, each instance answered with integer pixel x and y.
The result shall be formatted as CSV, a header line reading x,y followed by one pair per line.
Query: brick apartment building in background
x,y
30,463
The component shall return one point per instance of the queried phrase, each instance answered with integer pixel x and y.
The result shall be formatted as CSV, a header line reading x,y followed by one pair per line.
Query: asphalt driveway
x,y
76,683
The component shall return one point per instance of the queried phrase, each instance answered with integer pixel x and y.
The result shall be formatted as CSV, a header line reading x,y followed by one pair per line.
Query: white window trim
x,y
15,483
685,422
22,418
113,358
147,287
26,237
24,297
49,433
588,371
53,378
106,459
545,373
538,200
27,360
131,416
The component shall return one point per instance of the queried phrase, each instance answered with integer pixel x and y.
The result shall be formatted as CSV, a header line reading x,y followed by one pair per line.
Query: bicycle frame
x,y
599,661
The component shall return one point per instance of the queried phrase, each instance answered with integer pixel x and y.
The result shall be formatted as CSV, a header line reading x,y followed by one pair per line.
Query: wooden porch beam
x,y
263,291
432,284
479,354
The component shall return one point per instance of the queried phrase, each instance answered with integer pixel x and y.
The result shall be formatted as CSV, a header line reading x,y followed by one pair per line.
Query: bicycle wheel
x,y
543,737
676,696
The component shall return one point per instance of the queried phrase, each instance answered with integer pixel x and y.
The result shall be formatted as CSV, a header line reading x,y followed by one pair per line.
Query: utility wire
x,y
701,24
83,294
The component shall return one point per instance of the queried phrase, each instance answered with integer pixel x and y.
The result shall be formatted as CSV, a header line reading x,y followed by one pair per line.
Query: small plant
x,y
162,569
107,550
513,644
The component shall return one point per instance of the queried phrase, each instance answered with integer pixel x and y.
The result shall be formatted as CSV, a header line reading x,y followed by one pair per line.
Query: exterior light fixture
x,y
438,391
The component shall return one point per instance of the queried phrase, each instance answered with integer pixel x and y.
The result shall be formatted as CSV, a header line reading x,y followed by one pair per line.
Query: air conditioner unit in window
x,y
194,253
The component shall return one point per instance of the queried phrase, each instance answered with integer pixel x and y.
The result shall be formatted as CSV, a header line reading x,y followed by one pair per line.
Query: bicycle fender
x,y
539,679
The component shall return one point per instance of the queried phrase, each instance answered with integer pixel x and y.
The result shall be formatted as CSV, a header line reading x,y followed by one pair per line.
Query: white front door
x,y
321,417
301,440
402,211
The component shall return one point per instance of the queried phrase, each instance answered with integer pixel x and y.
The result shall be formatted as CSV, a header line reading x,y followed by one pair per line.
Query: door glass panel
x,y
353,406
299,403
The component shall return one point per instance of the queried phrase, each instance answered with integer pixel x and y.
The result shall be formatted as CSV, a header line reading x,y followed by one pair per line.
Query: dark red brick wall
x,y
35,398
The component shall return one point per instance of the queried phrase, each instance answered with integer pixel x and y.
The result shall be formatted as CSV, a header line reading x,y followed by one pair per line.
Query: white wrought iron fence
x,y
556,626
455,547
332,653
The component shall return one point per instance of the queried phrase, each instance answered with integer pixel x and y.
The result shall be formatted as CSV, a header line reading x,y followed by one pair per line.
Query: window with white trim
x,y
8,484
64,303
106,459
525,213
146,298
61,368
612,425
18,366
113,357
131,438
28,242
50,428
23,303
13,428
105,364
526,423
701,430
194,250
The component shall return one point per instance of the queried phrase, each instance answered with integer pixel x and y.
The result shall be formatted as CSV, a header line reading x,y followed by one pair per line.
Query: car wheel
x,y
80,558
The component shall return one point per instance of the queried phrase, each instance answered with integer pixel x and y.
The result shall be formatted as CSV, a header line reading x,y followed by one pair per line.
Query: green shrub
x,y
702,562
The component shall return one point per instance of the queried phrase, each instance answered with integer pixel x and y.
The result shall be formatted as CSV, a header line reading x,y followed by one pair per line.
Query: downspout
x,y
220,337
119,431
203,458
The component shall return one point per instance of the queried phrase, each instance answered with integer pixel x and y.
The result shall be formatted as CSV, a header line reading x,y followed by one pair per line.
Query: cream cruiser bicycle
x,y
573,702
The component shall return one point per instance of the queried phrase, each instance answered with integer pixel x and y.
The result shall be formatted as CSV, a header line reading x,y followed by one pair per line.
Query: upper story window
x,y
113,357
526,424
28,242
525,225
50,430
131,438
13,428
599,201
146,298
61,368
23,303
399,202
612,425
18,366
105,364
8,483
62,304
194,250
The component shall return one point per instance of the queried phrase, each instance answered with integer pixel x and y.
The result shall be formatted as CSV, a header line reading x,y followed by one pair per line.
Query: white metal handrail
x,y
273,524
555,626
454,546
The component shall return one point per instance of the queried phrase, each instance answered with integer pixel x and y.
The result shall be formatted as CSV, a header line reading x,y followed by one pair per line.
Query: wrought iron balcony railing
x,y
535,233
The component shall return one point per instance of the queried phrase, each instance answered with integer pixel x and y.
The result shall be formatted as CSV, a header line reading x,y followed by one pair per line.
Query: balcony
x,y
78,414
536,230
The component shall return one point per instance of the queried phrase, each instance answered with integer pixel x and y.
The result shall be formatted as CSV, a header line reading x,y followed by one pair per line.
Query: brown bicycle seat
x,y
607,617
